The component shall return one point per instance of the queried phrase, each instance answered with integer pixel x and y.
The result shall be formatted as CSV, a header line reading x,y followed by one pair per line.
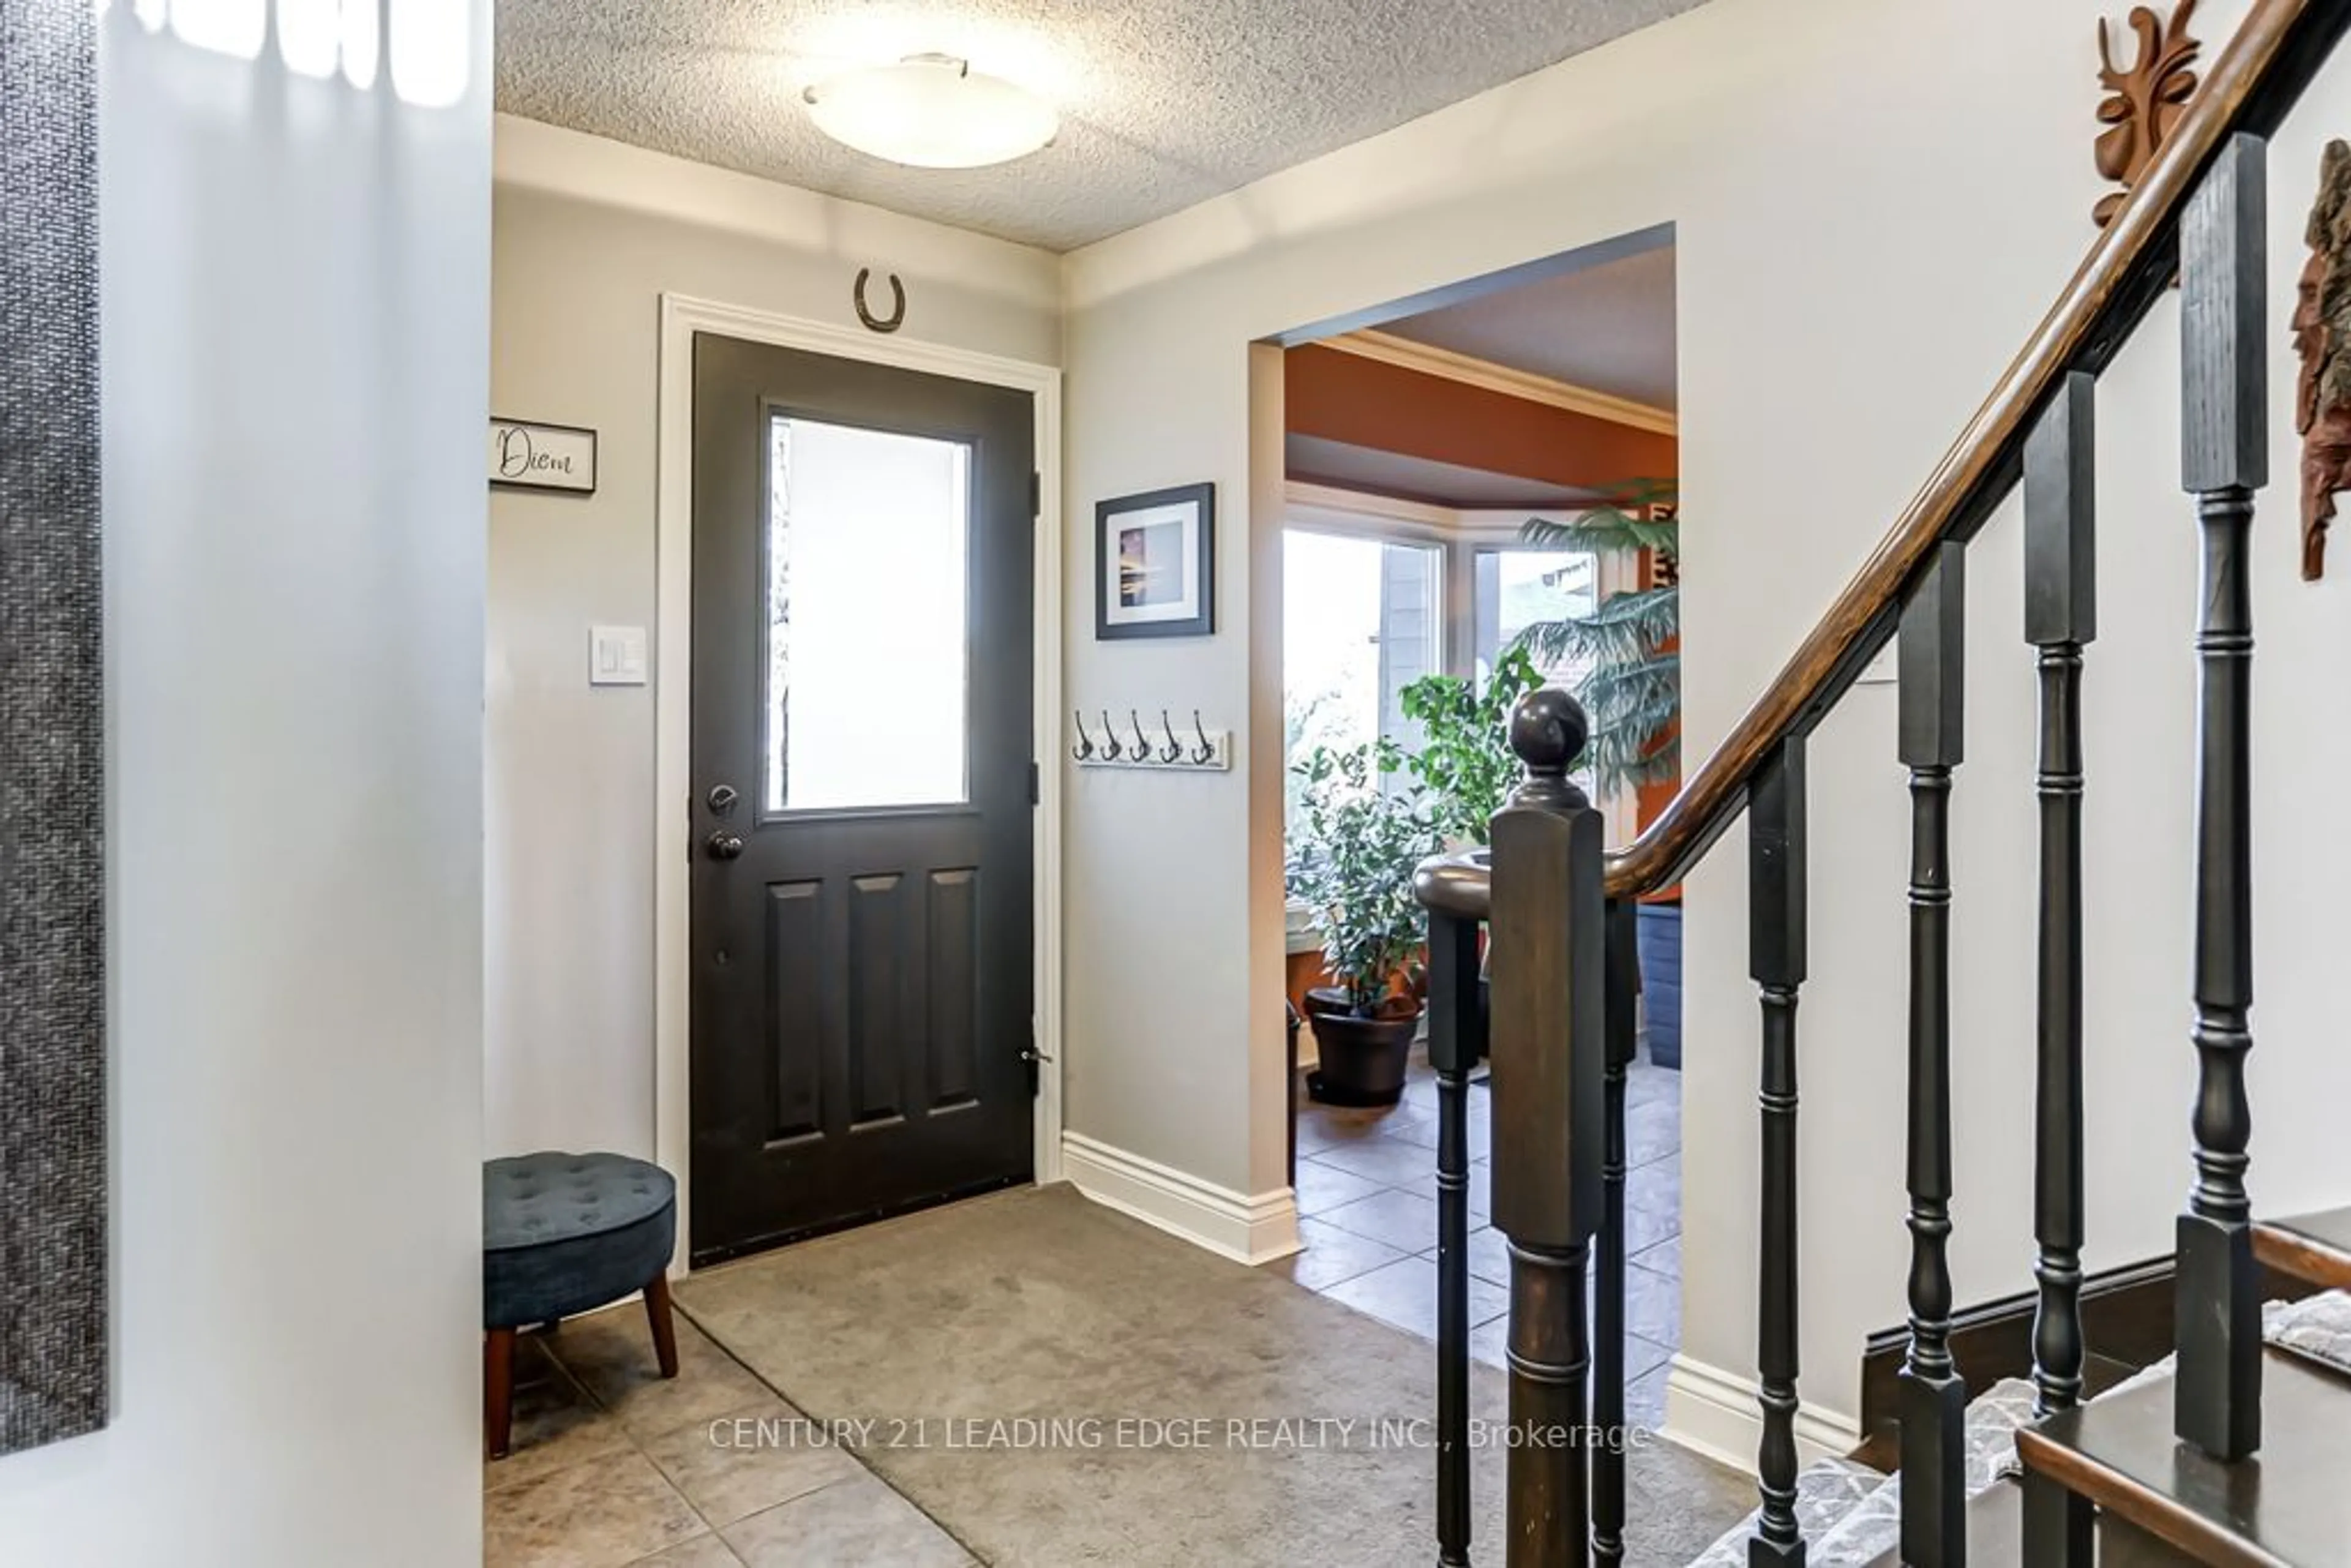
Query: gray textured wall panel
x,y
53,1379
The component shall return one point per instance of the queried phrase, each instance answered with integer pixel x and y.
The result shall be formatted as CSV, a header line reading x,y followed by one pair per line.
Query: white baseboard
x,y
1246,1230
1713,1412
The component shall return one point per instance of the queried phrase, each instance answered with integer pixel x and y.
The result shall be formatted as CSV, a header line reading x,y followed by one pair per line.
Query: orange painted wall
x,y
1368,403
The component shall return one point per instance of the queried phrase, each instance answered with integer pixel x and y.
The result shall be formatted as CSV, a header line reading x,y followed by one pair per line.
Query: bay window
x,y
1377,593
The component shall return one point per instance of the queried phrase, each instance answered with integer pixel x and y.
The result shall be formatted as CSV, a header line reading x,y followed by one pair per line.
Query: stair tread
x,y
2291,1504
1995,1531
2314,1247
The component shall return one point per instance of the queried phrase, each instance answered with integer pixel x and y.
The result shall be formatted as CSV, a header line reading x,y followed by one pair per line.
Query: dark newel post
x,y
1934,1398
1624,983
1775,847
1547,1045
2223,279
1456,1034
2060,618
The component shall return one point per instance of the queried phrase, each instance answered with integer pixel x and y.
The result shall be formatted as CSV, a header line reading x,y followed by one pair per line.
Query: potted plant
x,y
1353,867
1465,761
1629,649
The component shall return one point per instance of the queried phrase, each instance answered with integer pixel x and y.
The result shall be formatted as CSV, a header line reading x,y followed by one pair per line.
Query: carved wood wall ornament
x,y
2322,337
2144,100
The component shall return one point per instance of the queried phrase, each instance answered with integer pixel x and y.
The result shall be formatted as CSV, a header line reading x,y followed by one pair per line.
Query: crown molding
x,y
1389,349
1368,504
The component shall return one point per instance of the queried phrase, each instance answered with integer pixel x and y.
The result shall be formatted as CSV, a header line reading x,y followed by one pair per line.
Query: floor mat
x,y
1132,1356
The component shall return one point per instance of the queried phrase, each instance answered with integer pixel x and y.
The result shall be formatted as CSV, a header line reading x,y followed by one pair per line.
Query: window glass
x,y
1362,620
1515,589
867,565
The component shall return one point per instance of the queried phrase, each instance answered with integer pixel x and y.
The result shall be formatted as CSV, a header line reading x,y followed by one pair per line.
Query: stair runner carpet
x,y
1852,1515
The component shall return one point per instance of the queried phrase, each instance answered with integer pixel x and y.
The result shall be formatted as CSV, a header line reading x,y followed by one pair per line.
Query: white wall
x,y
1873,205
589,235
295,302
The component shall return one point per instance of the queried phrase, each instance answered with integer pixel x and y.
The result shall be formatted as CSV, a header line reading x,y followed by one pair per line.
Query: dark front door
x,y
861,827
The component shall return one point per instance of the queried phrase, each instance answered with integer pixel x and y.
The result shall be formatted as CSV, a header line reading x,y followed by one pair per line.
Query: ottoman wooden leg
x,y
657,1315
497,1391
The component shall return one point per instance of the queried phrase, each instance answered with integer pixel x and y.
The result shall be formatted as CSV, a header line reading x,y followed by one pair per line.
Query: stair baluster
x,y
1624,984
1547,1069
2060,620
2225,451
1932,655
1775,841
1455,1036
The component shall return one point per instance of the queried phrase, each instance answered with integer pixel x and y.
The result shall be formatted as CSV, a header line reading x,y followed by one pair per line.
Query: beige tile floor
x,y
1367,1211
613,1466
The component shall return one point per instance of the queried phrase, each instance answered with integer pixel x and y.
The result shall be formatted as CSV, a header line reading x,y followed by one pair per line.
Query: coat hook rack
x,y
1136,749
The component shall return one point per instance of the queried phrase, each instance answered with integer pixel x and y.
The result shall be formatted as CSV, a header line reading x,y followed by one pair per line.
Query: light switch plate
x,y
616,655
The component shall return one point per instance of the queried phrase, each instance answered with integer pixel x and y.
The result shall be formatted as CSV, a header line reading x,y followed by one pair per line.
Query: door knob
x,y
723,845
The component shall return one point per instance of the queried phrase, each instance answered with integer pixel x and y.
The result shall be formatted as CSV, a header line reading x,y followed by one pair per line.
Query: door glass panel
x,y
867,568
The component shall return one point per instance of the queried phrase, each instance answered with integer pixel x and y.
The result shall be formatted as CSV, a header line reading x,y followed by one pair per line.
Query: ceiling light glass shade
x,y
933,111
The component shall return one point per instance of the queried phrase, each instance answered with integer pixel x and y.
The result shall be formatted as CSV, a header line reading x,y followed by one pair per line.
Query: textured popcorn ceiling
x,y
1163,104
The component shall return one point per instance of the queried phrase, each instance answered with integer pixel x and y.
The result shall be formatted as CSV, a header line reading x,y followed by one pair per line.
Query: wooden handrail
x,y
2250,87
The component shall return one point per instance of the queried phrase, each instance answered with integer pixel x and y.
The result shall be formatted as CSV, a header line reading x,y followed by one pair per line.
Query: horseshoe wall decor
x,y
897,317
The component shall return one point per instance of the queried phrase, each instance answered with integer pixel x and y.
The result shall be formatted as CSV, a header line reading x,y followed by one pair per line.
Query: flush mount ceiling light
x,y
933,111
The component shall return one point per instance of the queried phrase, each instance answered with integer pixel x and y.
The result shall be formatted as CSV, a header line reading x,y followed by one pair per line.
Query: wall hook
x,y
1174,750
1084,749
1142,752
897,317
1111,749
1206,752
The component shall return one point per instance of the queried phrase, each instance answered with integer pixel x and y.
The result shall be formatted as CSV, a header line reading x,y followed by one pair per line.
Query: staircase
x,y
2236,1451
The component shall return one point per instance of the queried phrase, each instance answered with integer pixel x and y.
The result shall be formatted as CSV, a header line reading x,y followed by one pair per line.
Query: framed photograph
x,y
1155,564
527,455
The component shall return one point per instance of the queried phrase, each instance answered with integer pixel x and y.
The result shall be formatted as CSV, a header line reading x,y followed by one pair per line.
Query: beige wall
x,y
293,303
587,235
1873,205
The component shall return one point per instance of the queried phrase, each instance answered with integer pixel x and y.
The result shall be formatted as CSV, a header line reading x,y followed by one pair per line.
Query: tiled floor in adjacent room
x,y
1367,1208
612,1466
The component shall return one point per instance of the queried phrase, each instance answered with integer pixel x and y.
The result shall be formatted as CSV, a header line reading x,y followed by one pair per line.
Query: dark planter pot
x,y
1660,927
1364,1059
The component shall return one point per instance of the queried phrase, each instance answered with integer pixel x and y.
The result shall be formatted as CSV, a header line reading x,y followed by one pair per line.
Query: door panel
x,y
795,1008
861,899
953,912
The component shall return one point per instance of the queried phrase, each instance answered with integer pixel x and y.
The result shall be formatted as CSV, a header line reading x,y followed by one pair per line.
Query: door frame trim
x,y
681,315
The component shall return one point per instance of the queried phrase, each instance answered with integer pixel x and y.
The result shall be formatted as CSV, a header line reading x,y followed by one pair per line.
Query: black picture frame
x,y
1113,624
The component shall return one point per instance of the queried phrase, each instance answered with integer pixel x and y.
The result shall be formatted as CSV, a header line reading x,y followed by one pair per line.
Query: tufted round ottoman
x,y
562,1234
